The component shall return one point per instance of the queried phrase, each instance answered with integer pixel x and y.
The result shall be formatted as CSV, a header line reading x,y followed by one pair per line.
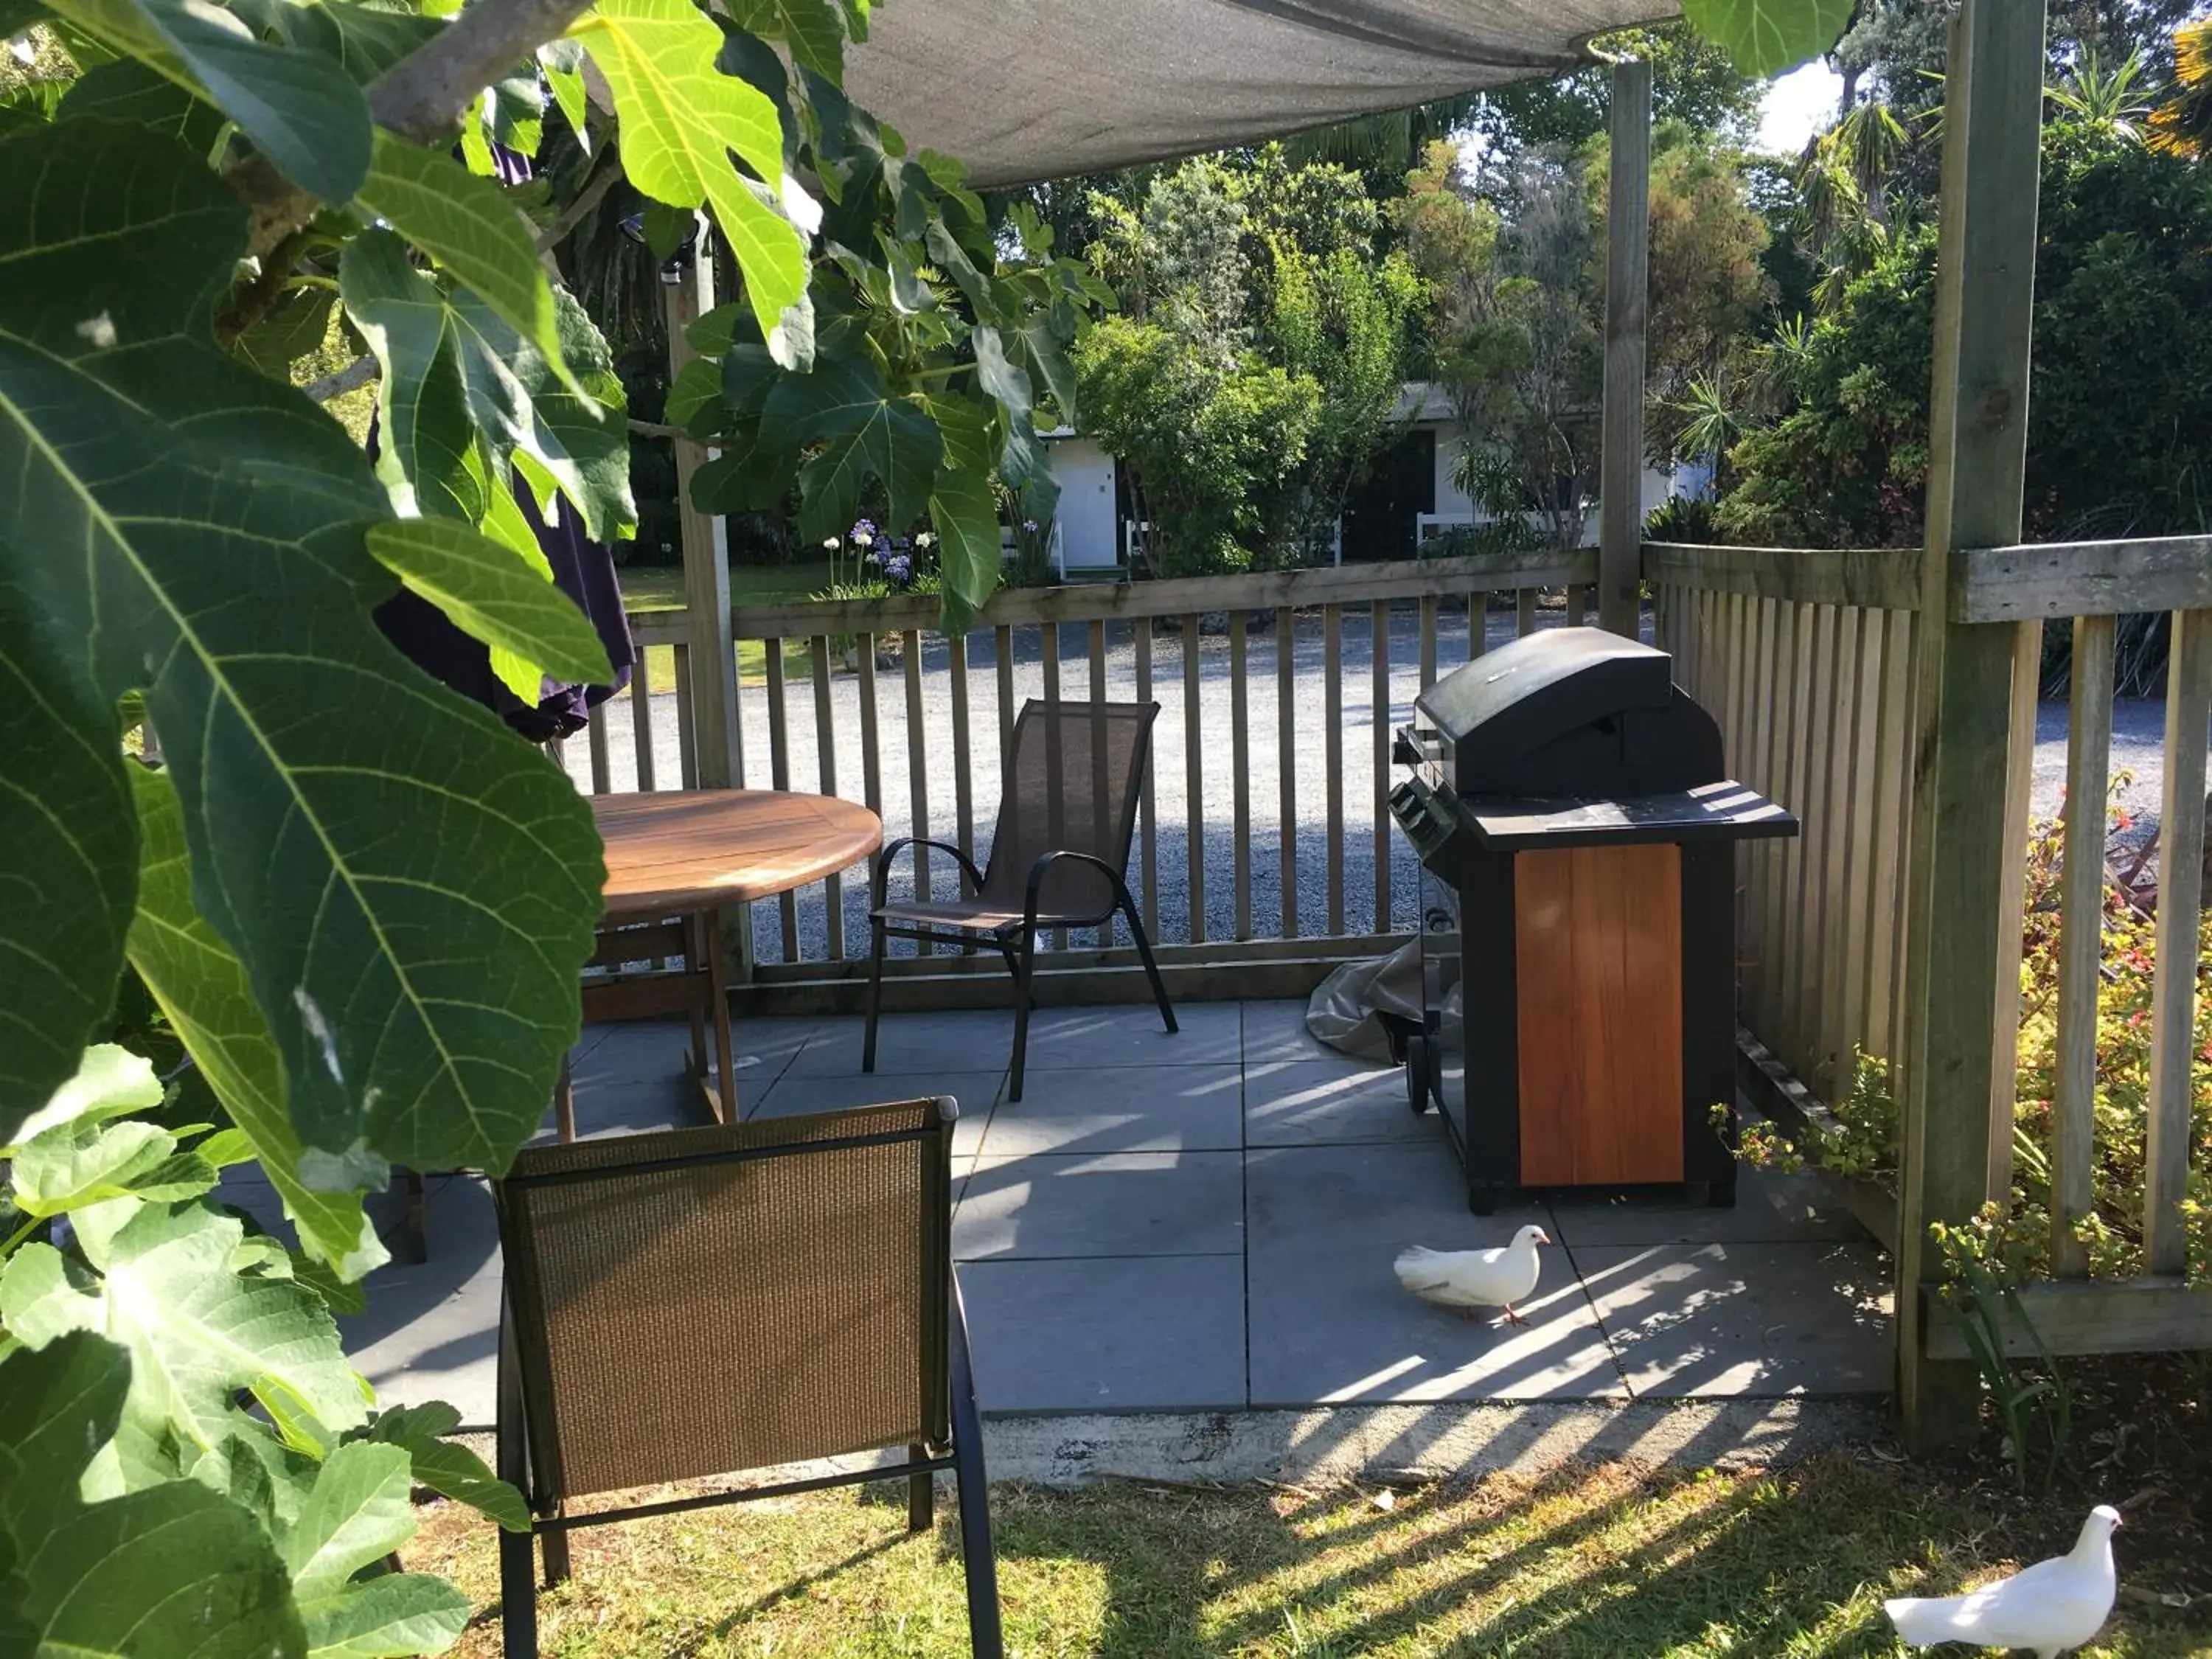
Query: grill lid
x,y
1570,712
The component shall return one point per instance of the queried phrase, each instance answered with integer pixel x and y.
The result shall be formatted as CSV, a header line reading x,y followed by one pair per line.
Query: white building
x,y
1411,496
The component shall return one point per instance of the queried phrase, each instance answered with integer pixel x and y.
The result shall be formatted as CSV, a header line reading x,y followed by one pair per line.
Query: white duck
x,y
2050,1607
1467,1279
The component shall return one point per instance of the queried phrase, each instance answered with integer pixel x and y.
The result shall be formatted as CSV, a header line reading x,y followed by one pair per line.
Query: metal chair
x,y
1058,857
700,1301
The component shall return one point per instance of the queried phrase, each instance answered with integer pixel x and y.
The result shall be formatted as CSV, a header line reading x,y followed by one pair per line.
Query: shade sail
x,y
1022,90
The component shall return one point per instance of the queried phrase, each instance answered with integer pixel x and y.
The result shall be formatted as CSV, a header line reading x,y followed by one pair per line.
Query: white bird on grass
x,y
2049,1608
1467,1279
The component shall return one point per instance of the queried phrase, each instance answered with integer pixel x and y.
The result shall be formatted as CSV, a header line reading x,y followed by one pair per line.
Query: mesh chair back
x,y
1072,785
700,1301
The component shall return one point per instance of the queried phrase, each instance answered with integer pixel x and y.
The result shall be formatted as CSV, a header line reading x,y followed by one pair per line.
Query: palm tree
x,y
2183,124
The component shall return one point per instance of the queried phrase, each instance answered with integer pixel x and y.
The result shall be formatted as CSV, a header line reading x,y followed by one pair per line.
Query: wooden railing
x,y
1807,660
1264,838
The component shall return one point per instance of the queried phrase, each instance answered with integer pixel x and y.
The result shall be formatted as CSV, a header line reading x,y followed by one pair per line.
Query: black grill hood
x,y
1568,713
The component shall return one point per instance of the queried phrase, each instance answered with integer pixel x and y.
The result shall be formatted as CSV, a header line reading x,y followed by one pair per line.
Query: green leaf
x,y
197,1331
1042,350
203,991
865,433
226,1148
1022,460
810,28
470,228
296,325
128,90
456,374
357,1512
680,118
967,521
82,1162
393,1616
1770,37
695,398
173,1570
298,104
491,595
447,1467
64,815
110,1082
410,889
561,63
58,1406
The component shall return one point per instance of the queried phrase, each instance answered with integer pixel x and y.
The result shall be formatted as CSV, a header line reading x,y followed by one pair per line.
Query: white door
x,y
1086,505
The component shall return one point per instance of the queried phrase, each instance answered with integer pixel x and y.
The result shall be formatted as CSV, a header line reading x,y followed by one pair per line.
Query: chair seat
x,y
972,916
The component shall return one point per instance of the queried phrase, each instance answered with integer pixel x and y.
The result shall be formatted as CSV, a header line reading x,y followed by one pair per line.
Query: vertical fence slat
x,y
1798,787
1240,768
1833,969
1003,644
687,750
1287,758
2174,977
1379,615
825,756
640,725
963,774
1525,613
1194,773
1811,897
779,770
1577,604
1332,624
1100,788
2080,939
1850,967
1886,892
1140,647
1428,641
872,755
1478,622
917,766
596,736
1767,733
1056,801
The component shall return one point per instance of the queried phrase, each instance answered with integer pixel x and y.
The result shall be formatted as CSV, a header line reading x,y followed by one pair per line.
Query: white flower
x,y
924,539
830,544
863,539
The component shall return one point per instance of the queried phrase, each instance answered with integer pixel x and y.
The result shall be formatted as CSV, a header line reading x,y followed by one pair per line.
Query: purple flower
x,y
899,569
864,526
875,558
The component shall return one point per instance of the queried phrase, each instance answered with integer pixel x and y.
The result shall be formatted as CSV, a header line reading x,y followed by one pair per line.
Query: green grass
x,y
1588,1563
660,588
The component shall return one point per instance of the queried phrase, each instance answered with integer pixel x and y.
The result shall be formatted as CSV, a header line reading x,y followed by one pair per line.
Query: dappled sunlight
x,y
1610,1561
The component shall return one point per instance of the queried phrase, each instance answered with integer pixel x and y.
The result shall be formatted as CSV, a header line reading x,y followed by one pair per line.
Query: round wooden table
x,y
686,854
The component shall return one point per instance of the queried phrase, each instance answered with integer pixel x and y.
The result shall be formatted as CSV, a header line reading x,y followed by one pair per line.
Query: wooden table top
x,y
673,851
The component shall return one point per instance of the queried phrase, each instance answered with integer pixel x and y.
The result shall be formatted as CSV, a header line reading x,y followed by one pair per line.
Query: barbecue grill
x,y
1575,828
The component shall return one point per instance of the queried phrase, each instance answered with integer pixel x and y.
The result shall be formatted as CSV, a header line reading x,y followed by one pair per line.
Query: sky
x,y
1796,106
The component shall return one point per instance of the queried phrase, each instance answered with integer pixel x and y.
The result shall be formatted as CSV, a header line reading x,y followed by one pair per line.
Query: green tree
x,y
1694,83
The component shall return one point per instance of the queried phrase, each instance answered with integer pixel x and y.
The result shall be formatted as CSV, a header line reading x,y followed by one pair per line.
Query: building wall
x,y
1454,506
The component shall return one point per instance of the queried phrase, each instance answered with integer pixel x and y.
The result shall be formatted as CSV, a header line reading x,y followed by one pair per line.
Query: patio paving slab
x,y
1110,1204
976,1092
1118,1333
1744,1320
963,1040
1304,1103
1060,1039
431,1329
1329,1322
1131,1108
1277,1031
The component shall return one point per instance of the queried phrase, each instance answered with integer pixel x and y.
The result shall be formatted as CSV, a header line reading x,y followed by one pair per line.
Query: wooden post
x,y
1956,873
1627,281
706,575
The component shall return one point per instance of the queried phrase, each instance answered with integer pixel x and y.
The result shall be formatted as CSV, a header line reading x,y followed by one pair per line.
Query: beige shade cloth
x,y
1021,90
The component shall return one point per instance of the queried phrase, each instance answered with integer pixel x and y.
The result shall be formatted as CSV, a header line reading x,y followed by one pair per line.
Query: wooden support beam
x,y
1627,281
2086,1315
706,573
1956,872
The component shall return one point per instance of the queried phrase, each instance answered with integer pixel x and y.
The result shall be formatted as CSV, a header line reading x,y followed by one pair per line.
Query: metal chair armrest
x,y
881,886
1045,861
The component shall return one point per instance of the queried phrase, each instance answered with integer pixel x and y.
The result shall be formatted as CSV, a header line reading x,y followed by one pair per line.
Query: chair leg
x,y
518,1555
877,946
564,1105
1022,973
555,1542
1144,956
921,1495
978,1562
418,1218
717,1014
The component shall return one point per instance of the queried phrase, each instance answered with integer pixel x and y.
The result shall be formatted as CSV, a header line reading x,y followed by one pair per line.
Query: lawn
x,y
1605,1562
660,588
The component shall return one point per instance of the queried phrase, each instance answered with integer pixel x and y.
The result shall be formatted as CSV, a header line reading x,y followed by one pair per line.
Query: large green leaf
x,y
866,434
445,1466
128,90
1022,461
299,105
456,374
811,28
203,991
197,1331
680,119
175,1570
470,228
1770,37
357,1512
110,1082
966,517
393,1616
82,1163
491,595
411,888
